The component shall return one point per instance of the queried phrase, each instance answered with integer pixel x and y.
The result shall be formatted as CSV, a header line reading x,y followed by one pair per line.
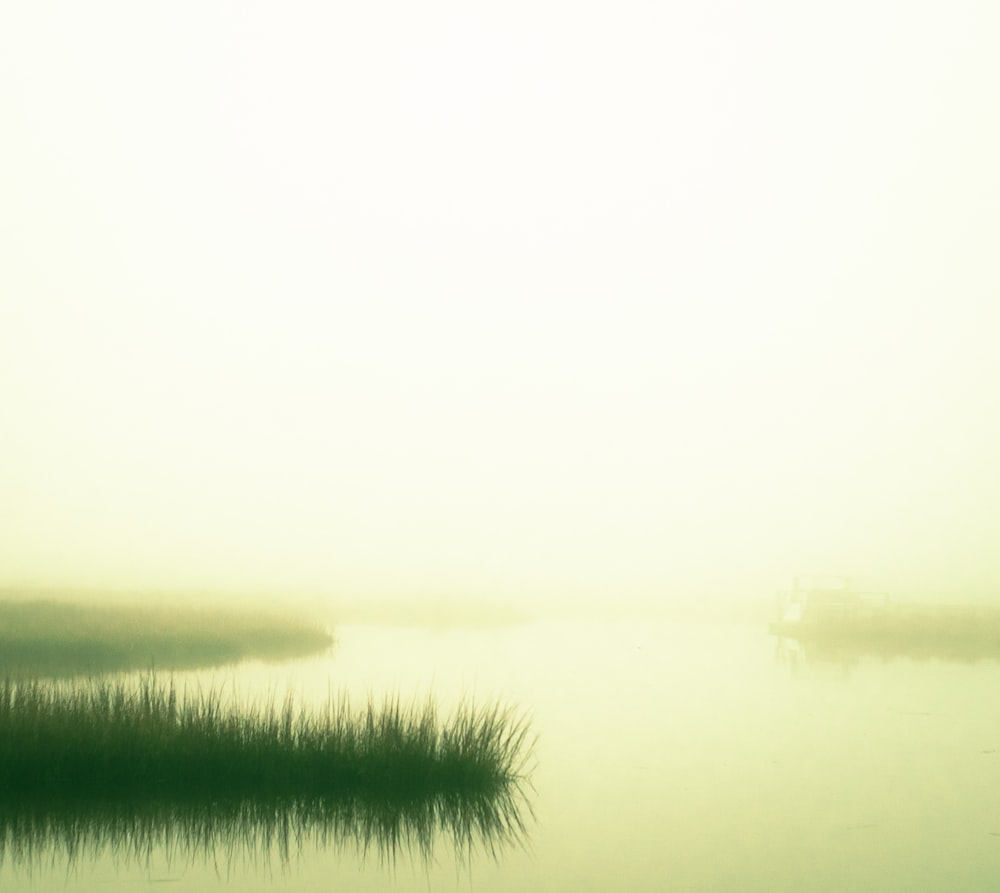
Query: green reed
x,y
107,740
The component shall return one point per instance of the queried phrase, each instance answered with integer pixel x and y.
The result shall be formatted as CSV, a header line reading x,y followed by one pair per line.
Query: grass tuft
x,y
106,740
103,766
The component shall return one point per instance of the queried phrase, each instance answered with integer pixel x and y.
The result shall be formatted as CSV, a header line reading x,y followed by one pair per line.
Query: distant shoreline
x,y
58,638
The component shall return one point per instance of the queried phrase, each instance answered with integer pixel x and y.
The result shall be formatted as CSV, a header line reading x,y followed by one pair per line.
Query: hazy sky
x,y
588,299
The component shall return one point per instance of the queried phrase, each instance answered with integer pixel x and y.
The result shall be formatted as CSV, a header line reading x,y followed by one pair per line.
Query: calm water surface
x,y
670,756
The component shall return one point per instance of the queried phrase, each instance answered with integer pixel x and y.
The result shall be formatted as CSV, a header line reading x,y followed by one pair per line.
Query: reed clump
x,y
110,741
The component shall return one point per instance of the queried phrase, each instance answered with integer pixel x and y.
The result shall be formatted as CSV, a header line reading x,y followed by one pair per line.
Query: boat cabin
x,y
815,599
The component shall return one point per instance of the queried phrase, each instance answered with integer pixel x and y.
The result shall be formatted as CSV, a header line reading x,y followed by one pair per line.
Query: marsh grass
x,y
102,739
106,765
51,638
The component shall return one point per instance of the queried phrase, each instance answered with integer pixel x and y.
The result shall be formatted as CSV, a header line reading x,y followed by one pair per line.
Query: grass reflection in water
x,y
104,767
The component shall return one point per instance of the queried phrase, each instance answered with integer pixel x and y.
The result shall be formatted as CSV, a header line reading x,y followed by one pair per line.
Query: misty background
x,y
582,302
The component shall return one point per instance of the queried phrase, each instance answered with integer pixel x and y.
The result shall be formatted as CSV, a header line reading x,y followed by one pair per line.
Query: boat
x,y
829,616
816,602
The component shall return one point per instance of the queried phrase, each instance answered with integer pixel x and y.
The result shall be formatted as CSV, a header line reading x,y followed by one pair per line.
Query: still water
x,y
670,756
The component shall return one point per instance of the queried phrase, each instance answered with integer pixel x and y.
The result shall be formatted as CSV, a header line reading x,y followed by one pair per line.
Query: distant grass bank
x,y
107,741
55,638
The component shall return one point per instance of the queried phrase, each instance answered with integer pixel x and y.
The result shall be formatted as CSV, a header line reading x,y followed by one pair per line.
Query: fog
x,y
531,303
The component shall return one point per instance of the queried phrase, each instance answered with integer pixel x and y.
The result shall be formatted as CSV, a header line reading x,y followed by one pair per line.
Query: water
x,y
670,756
